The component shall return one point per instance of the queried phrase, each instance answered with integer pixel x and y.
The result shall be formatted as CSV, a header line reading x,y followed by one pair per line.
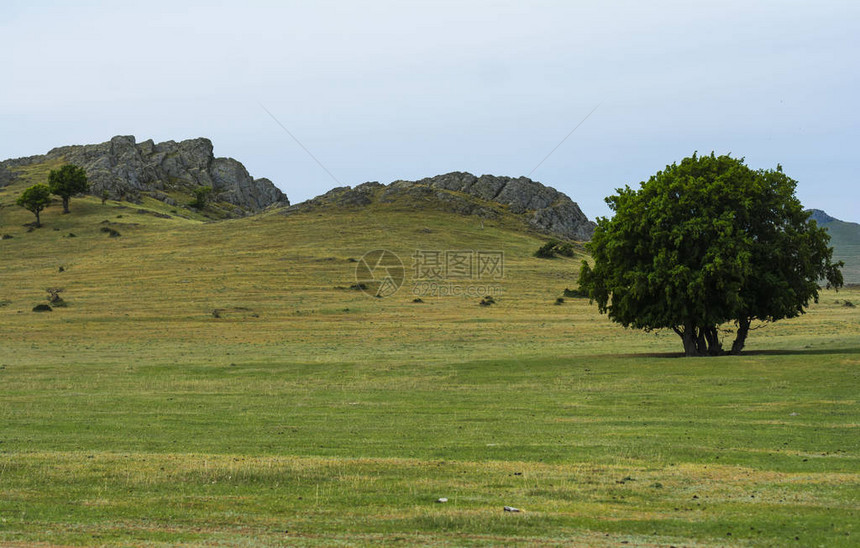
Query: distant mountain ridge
x,y
127,169
845,239
821,217
541,207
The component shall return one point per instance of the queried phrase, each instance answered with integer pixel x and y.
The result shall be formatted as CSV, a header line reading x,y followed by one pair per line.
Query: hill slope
x,y
845,239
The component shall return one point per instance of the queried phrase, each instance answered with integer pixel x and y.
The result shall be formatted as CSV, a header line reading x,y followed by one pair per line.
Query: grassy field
x,y
307,413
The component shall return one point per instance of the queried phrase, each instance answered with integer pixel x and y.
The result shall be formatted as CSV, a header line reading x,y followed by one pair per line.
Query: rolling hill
x,y
845,239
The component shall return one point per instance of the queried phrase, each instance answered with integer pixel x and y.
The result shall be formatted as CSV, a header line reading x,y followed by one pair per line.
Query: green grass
x,y
312,415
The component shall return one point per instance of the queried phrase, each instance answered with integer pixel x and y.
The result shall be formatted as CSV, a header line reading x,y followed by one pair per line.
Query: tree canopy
x,y
201,196
35,199
706,242
68,181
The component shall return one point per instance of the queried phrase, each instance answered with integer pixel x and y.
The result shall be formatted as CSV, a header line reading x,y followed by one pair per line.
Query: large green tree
x,y
35,199
68,181
703,243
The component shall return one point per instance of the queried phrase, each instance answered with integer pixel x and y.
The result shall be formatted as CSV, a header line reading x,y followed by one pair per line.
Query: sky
x,y
387,90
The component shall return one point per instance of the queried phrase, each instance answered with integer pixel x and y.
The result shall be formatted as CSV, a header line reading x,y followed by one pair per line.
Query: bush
x,y
575,293
555,247
111,232
559,301
547,250
849,304
565,249
487,301
42,308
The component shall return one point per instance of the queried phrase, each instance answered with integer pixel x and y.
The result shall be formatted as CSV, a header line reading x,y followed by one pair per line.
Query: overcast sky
x,y
379,91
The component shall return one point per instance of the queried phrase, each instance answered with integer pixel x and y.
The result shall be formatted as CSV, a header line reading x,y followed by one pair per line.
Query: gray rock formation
x,y
546,208
127,169
6,176
542,207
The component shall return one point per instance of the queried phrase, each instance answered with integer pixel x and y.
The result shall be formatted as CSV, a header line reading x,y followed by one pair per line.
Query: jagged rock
x,y
542,207
547,209
127,169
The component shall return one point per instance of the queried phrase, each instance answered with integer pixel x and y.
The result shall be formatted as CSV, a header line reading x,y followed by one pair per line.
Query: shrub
x,y
559,301
565,249
487,301
575,293
555,247
547,250
42,308
111,232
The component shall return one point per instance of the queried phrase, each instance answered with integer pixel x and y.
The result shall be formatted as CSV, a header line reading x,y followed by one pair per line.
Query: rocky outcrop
x,y
542,207
545,208
127,169
6,176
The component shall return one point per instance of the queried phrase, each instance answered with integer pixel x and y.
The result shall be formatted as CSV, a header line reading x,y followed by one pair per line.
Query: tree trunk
x,y
741,337
701,342
38,220
65,204
688,337
715,348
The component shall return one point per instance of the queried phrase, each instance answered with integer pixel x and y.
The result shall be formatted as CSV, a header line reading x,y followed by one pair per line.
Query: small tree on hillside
x,y
68,181
201,196
705,242
35,199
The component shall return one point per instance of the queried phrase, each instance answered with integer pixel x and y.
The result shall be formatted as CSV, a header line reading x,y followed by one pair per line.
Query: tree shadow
x,y
802,352
767,352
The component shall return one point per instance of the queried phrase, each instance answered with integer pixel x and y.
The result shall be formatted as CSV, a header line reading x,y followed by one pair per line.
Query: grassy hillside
x,y
846,247
307,413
